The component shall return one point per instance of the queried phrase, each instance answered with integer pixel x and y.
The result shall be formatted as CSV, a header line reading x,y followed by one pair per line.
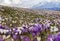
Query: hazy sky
x,y
24,3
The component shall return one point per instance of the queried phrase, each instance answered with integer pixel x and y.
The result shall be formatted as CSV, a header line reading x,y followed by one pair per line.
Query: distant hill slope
x,y
48,5
18,16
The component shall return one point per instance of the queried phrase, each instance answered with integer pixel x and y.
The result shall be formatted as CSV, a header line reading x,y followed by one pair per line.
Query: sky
x,y
24,3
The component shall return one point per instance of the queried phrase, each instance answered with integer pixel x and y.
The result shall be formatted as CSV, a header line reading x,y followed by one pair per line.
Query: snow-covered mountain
x,y
48,5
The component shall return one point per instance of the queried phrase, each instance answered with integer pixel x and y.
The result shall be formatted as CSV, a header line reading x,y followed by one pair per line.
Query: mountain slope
x,y
48,5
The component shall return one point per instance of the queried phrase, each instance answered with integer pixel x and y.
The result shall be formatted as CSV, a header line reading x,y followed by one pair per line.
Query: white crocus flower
x,y
19,28
39,38
6,37
5,31
31,23
19,31
1,31
53,29
25,25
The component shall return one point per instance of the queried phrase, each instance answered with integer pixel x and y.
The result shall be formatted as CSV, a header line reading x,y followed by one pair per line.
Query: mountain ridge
x,y
48,5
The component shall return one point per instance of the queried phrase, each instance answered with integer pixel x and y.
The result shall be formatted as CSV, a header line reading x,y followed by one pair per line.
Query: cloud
x,y
30,3
24,3
17,1
20,3
7,2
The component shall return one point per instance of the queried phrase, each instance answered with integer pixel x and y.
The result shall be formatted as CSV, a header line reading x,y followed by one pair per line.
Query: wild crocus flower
x,y
39,26
53,29
57,36
46,25
38,38
49,37
24,29
14,36
33,28
21,37
55,22
53,37
14,29
33,34
6,27
25,38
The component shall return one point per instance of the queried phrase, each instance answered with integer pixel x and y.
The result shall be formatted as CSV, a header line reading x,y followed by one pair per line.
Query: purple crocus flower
x,y
46,25
6,27
35,28
49,37
24,30
33,34
25,38
1,38
21,37
54,21
14,29
57,36
35,39
14,36
39,26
